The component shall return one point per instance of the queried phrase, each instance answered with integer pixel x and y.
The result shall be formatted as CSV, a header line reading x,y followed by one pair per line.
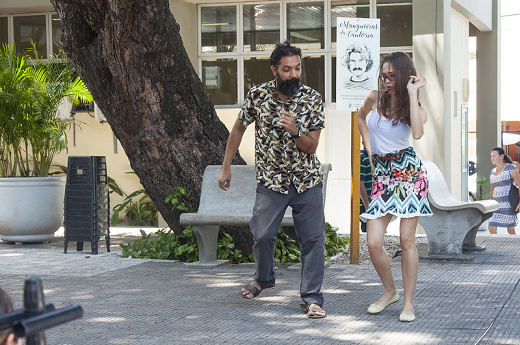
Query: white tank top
x,y
385,138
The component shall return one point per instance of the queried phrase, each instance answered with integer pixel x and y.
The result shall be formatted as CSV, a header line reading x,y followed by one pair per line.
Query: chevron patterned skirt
x,y
399,186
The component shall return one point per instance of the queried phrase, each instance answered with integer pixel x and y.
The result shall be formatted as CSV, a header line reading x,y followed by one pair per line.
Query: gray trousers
x,y
309,222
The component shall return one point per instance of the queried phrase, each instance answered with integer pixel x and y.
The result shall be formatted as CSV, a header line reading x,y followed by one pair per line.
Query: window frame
x,y
48,28
327,52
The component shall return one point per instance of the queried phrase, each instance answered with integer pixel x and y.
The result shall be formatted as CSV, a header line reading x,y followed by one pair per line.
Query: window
x,y
350,9
3,31
305,25
256,71
219,29
44,29
219,77
236,41
56,33
313,72
261,27
27,29
396,22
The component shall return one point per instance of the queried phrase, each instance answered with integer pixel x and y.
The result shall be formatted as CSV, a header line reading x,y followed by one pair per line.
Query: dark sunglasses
x,y
390,77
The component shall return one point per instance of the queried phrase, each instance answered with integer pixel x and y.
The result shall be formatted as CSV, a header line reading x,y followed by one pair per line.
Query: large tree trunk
x,y
131,57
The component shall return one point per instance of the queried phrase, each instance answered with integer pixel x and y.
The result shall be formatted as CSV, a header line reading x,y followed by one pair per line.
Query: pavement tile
x,y
136,301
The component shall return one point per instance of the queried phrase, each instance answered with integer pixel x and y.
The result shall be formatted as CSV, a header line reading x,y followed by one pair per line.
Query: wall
x,y
184,12
477,11
488,93
459,55
29,6
338,153
510,32
247,147
429,59
439,52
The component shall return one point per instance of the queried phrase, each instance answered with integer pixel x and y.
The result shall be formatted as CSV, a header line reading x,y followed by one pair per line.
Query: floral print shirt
x,y
278,160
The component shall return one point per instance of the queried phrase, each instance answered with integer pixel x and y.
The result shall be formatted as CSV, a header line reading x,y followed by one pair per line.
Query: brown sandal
x,y
314,311
253,290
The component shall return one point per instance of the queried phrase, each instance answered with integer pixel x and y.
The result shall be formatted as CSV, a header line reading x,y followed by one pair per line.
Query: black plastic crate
x,y
87,202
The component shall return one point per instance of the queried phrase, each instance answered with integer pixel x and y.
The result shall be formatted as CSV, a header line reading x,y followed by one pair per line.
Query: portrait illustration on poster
x,y
357,59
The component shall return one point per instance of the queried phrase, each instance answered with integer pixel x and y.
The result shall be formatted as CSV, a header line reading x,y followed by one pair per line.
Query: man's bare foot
x,y
314,311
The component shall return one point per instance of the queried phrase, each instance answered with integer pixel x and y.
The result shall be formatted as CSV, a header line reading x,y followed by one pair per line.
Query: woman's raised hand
x,y
415,83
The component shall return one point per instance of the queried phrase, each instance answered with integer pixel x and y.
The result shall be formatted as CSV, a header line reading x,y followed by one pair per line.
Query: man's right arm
x,y
234,140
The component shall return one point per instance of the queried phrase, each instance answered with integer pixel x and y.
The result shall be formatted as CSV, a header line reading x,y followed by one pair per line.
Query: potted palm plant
x,y
31,134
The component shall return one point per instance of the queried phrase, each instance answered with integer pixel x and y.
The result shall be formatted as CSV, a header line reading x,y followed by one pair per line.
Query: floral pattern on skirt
x,y
399,187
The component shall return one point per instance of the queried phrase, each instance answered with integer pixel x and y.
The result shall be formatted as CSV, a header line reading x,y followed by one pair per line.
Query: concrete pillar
x,y
430,62
488,93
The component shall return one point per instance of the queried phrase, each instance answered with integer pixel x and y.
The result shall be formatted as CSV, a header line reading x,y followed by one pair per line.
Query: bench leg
x,y
446,232
470,244
207,238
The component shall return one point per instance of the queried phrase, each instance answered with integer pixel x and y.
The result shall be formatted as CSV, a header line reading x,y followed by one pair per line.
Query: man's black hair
x,y
284,49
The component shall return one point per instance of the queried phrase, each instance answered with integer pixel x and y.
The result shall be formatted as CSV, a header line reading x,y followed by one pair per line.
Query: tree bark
x,y
132,59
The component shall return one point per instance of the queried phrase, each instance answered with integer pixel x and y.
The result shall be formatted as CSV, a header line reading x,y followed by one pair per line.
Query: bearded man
x,y
288,120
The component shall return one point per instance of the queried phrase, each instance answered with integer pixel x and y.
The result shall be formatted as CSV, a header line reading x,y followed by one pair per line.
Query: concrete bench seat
x,y
453,227
226,219
227,208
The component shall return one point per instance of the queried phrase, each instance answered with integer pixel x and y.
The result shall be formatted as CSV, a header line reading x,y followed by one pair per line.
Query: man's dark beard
x,y
289,87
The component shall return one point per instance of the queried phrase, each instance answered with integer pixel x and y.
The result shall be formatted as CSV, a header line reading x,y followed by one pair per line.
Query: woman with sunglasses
x,y
399,184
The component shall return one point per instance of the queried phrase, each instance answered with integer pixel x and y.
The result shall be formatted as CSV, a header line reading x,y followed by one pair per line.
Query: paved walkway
x,y
135,301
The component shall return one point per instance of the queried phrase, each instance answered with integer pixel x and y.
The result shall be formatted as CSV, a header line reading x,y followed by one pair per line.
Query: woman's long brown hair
x,y
403,69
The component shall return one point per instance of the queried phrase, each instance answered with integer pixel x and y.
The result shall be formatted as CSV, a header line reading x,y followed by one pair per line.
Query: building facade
x,y
229,44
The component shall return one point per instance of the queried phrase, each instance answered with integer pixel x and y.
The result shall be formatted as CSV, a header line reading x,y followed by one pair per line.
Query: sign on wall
x,y
357,61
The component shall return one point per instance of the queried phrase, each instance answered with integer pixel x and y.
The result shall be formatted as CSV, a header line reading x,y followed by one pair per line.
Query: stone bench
x,y
453,227
227,208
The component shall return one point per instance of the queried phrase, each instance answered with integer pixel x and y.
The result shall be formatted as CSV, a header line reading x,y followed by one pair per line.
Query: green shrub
x,y
179,200
226,250
334,243
166,245
482,184
138,208
285,248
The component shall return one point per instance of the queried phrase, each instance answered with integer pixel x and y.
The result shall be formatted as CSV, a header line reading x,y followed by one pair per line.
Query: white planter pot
x,y
31,208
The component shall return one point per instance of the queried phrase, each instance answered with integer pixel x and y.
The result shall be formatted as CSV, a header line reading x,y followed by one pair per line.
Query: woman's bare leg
x,y
492,229
375,239
409,261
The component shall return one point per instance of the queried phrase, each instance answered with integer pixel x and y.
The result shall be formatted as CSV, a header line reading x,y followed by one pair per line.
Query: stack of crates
x,y
87,204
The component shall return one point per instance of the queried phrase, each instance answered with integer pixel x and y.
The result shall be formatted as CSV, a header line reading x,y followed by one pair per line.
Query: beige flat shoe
x,y
377,308
406,317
